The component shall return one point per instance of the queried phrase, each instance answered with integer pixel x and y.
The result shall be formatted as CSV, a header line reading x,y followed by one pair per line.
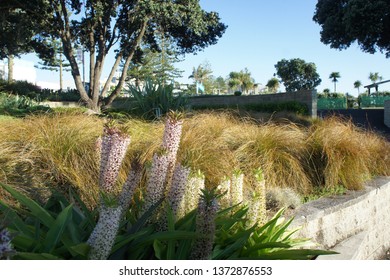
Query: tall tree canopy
x,y
297,74
366,22
101,26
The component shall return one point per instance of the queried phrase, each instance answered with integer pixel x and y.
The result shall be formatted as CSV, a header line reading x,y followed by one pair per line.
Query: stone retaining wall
x,y
356,225
307,97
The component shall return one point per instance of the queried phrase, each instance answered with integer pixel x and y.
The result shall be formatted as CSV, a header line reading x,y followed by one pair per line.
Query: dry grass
x,y
47,150
340,153
59,150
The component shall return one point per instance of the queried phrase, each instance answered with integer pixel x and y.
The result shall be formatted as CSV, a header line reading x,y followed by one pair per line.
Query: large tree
x,y
16,31
201,75
366,22
56,62
158,65
297,74
103,26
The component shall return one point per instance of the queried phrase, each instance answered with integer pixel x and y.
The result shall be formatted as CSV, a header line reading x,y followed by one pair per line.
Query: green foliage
x,y
290,106
297,74
273,84
158,65
344,22
20,88
237,93
270,241
55,231
154,99
241,80
19,105
334,76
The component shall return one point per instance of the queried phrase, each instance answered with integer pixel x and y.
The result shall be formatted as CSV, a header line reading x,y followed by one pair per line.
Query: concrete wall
x,y
56,104
387,113
308,97
356,225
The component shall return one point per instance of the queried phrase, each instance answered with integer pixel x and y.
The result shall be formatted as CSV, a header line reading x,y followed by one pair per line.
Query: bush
x,y
19,105
237,93
22,88
290,106
154,100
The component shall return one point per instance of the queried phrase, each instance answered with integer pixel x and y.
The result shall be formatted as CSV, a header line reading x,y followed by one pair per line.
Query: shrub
x,y
153,99
22,88
19,105
237,93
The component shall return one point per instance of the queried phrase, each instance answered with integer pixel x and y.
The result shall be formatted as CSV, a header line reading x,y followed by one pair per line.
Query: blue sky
x,y
260,33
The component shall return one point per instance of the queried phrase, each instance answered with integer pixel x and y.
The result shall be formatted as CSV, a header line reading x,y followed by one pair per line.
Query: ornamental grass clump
x,y
342,154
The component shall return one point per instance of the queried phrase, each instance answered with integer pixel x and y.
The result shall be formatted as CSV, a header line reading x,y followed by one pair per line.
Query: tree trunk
x,y
61,72
10,69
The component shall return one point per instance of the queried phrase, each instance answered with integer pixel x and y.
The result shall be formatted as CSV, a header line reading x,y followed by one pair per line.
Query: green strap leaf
x,y
56,231
37,211
14,220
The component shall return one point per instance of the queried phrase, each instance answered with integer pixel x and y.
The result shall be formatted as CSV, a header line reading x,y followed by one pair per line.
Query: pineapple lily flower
x,y
113,149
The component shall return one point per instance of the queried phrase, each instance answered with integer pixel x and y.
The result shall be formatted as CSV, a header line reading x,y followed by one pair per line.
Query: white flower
x,y
176,195
113,149
104,234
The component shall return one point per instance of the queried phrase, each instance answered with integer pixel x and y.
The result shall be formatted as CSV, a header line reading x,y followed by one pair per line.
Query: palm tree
x,y
242,80
374,77
273,84
334,76
357,84
200,74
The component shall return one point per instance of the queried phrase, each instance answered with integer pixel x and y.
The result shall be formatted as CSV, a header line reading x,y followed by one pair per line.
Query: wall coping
x,y
356,224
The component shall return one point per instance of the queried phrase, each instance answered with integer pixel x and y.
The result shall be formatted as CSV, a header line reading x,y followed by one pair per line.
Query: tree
x,y
16,32
357,84
220,84
374,77
334,76
242,80
56,62
104,26
155,64
296,74
200,75
273,84
345,22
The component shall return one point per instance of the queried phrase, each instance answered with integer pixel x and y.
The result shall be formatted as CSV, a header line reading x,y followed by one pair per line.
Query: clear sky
x,y
262,32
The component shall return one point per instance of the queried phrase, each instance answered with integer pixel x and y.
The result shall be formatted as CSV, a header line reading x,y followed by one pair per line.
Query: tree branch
x,y
122,79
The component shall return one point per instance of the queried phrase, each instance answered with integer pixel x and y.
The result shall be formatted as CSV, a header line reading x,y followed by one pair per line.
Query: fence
x,y
331,103
373,101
